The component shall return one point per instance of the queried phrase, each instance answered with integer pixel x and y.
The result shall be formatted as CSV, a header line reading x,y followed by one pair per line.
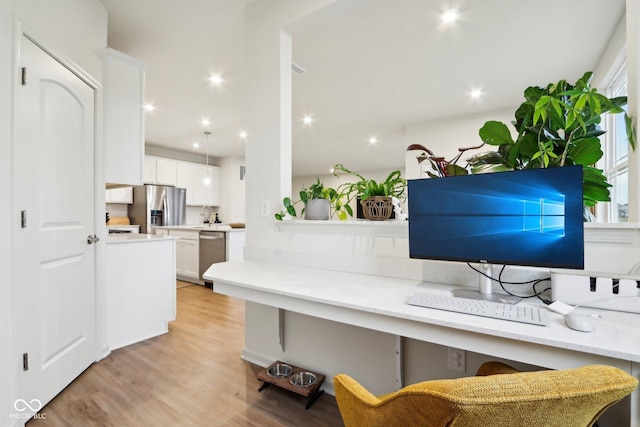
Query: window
x,y
616,153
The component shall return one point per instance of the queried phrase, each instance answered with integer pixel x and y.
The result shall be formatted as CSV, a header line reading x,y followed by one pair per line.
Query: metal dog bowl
x,y
303,379
279,370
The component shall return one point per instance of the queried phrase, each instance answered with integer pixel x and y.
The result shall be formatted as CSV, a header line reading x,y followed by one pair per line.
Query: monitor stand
x,y
485,289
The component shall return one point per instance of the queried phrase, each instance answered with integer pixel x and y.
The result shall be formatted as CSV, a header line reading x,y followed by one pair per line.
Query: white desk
x,y
378,303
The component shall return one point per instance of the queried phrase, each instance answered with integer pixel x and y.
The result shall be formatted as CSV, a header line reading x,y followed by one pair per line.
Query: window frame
x,y
612,164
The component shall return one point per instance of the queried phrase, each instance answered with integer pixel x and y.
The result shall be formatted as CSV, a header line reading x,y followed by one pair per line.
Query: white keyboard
x,y
495,310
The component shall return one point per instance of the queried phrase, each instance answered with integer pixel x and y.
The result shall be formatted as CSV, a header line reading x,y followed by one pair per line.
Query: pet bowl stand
x,y
311,392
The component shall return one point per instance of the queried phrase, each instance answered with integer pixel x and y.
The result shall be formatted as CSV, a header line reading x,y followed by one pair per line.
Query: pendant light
x,y
207,179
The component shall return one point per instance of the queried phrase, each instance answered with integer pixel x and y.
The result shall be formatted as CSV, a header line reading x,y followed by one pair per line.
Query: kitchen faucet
x,y
210,213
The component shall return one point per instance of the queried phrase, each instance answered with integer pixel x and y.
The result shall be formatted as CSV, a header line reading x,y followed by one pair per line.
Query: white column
x,y
268,148
268,115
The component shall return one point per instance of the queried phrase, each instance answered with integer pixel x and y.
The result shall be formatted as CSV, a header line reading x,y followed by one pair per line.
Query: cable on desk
x,y
532,282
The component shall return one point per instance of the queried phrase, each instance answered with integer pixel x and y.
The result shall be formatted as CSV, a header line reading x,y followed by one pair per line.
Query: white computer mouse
x,y
579,322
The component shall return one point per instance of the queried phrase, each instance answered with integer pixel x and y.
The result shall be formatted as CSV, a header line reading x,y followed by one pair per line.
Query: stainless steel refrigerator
x,y
157,205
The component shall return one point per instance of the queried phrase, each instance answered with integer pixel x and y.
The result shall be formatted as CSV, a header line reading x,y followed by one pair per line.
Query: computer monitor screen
x,y
530,217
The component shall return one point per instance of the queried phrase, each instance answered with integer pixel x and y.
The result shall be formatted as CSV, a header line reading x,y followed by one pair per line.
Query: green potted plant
x,y
376,198
319,202
557,125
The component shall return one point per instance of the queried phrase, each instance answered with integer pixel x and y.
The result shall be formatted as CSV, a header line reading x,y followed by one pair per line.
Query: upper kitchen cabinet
x,y
184,179
160,171
119,195
200,190
124,118
206,189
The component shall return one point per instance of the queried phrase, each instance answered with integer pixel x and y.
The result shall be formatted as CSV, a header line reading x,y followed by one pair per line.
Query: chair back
x,y
567,398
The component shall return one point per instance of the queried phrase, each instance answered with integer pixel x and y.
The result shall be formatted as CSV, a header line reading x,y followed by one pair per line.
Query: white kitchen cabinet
x,y
149,170
119,195
235,245
185,179
159,171
123,118
187,258
192,177
187,253
165,172
203,193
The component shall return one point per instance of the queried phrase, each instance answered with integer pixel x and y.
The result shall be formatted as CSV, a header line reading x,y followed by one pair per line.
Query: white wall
x,y
444,137
77,29
232,190
195,157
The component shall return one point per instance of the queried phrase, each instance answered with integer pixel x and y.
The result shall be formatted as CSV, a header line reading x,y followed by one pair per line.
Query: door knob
x,y
92,239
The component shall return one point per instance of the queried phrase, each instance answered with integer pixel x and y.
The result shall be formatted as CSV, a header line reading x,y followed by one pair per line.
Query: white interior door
x,y
54,276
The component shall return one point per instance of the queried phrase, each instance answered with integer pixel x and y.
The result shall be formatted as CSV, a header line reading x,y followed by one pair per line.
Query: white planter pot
x,y
317,209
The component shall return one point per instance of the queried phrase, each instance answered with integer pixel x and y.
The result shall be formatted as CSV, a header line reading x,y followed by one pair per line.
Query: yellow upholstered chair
x,y
499,396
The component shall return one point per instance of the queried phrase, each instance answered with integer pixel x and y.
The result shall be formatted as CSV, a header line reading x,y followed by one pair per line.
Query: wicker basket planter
x,y
377,208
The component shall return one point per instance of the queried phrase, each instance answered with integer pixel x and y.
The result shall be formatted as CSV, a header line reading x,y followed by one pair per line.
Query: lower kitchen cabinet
x,y
187,258
235,245
187,253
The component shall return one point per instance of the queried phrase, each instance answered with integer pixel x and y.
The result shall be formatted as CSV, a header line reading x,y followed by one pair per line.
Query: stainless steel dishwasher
x,y
212,250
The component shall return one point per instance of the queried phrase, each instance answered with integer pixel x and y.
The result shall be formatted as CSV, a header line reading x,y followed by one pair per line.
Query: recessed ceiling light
x,y
216,79
475,93
332,170
205,122
449,16
373,140
307,120
149,107
195,145
243,134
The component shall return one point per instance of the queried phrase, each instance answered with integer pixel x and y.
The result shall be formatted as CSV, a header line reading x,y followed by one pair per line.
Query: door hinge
x,y
23,219
24,76
25,361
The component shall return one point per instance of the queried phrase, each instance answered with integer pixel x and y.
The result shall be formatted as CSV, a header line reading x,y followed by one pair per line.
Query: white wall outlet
x,y
264,208
457,359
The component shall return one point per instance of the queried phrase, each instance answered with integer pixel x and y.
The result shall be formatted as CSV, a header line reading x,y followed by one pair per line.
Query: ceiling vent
x,y
297,69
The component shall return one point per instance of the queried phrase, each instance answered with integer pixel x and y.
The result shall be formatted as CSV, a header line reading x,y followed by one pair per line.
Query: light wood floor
x,y
192,376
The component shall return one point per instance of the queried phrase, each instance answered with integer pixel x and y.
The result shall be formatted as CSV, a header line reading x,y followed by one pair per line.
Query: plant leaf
x,y
453,170
595,186
585,151
495,133
490,168
631,133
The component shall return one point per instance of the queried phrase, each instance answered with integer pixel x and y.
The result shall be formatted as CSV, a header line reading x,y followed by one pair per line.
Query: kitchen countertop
x,y
134,238
201,227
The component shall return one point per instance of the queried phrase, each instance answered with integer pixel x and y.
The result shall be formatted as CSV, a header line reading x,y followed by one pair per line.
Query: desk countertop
x,y
307,290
